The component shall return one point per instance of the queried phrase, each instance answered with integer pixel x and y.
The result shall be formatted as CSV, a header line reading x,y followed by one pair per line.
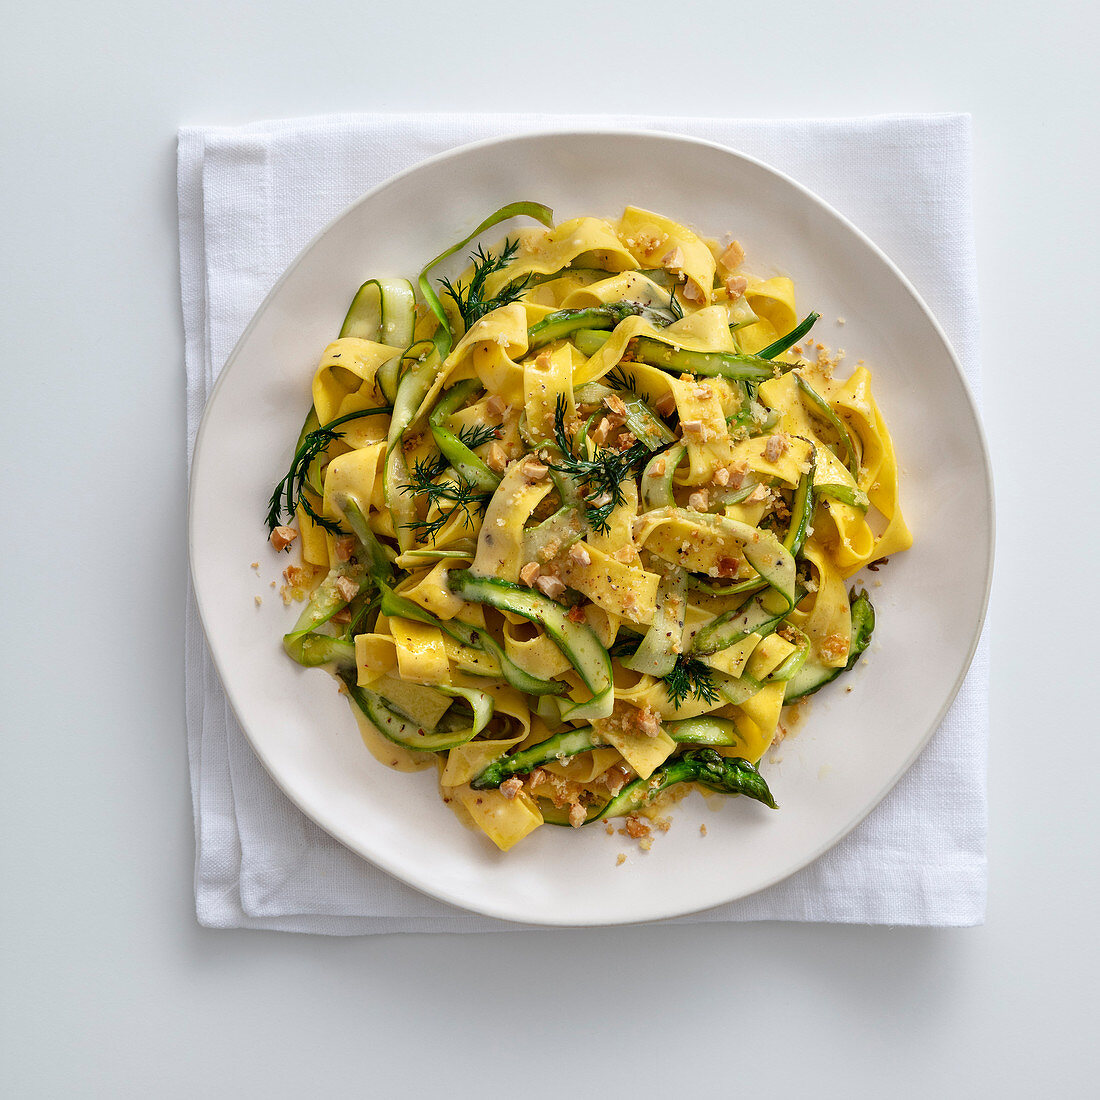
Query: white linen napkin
x,y
251,197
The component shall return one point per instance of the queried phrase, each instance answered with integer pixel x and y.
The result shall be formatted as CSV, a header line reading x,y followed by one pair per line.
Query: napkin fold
x,y
251,197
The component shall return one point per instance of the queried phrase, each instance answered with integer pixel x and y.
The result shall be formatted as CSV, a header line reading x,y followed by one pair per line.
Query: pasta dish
x,y
577,527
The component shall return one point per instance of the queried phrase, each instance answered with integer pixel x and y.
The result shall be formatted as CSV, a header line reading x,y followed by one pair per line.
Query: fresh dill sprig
x,y
290,493
469,300
600,477
620,379
475,435
457,492
689,676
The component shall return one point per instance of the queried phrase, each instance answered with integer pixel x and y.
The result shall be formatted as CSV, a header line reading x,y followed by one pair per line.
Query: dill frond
x,y
600,477
289,494
620,379
689,676
425,480
469,299
477,434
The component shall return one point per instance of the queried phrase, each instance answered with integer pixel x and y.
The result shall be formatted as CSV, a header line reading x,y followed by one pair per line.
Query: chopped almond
x,y
344,548
758,494
674,260
282,537
511,787
777,445
615,404
536,778
347,588
529,573
625,441
601,431
665,404
579,553
736,285
497,458
693,293
577,815
496,406
699,501
694,428
550,586
534,470
626,554
616,778
721,476
734,256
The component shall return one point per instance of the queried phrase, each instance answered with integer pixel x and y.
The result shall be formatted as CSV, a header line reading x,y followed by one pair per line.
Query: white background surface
x,y
110,988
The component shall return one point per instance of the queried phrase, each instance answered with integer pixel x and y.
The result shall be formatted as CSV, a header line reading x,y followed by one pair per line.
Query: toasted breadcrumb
x,y
702,830
259,600
529,573
620,859
643,720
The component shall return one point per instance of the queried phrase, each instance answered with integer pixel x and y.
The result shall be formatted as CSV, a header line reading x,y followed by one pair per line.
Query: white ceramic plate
x,y
853,747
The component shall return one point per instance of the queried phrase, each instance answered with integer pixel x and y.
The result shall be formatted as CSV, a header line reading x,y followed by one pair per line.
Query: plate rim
x,y
614,132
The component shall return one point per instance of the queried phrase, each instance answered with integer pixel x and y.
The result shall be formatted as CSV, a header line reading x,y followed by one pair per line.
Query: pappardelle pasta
x,y
580,523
